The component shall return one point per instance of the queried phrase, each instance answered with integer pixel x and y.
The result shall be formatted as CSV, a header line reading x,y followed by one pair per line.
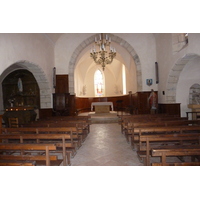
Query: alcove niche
x,y
20,89
194,96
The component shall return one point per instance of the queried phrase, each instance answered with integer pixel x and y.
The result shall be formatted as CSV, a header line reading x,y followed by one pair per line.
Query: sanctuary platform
x,y
102,118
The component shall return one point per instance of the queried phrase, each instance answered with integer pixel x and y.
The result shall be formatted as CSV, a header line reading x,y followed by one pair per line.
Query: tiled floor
x,y
105,146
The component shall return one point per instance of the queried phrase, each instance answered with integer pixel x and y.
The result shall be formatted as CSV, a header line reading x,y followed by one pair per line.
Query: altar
x,y
102,107
24,114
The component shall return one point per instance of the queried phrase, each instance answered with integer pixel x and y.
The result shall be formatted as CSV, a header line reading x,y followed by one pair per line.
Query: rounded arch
x,y
174,77
115,39
38,73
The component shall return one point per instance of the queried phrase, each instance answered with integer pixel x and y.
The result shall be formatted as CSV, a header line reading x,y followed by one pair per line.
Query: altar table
x,y
102,104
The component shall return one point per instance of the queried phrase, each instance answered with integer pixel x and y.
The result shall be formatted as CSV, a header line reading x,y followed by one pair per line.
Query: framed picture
x,y
149,82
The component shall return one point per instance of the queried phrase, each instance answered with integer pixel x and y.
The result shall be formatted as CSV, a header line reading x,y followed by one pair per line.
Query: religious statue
x,y
152,100
196,98
20,85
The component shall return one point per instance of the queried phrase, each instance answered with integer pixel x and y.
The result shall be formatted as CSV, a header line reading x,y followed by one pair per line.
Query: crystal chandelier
x,y
103,57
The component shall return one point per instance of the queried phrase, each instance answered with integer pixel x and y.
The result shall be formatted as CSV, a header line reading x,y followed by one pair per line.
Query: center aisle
x,y
105,146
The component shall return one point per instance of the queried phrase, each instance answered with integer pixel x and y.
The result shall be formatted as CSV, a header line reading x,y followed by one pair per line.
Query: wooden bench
x,y
81,130
161,130
6,148
128,129
169,151
17,163
149,141
148,119
45,130
58,139
61,137
86,120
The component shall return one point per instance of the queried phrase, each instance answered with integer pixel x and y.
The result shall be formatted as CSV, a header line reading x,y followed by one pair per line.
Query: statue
x,y
152,100
20,85
196,98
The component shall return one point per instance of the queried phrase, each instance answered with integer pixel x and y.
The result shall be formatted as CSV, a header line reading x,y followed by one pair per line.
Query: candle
x,y
103,47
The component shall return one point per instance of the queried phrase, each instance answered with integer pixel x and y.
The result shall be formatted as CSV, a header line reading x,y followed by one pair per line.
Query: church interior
x,y
102,113
84,80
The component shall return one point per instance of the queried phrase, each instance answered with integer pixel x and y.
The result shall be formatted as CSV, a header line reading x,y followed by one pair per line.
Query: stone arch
x,y
115,39
174,77
38,73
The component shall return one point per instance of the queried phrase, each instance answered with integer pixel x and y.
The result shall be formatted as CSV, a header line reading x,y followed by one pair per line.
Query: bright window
x,y
98,83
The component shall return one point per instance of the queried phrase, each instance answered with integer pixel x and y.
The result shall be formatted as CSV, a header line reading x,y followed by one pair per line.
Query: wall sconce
x,y
54,77
157,75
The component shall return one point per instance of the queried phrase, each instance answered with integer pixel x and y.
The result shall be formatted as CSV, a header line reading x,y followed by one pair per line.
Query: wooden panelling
x,y
134,103
1,125
142,103
72,103
63,104
171,109
84,104
62,85
44,113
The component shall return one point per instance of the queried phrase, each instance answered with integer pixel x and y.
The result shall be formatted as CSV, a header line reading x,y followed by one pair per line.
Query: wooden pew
x,y
81,128
135,139
84,120
149,141
169,151
57,139
61,137
128,130
148,119
17,164
45,130
31,148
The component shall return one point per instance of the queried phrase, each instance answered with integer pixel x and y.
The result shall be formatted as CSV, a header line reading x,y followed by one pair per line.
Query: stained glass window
x,y
98,83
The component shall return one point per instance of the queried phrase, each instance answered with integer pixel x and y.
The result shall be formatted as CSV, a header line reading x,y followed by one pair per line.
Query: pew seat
x,y
175,151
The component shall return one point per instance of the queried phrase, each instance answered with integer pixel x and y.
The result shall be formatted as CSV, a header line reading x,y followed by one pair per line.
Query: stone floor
x,y
105,146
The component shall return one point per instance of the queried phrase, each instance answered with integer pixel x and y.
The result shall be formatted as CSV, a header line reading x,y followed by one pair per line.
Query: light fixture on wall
x,y
54,77
103,57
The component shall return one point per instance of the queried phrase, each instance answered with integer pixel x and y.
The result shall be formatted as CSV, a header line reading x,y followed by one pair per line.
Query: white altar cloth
x,y
101,104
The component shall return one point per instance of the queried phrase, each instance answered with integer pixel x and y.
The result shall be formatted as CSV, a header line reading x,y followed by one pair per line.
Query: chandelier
x,y
103,57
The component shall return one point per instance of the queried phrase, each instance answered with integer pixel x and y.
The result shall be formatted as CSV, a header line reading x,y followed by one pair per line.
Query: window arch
x,y
99,83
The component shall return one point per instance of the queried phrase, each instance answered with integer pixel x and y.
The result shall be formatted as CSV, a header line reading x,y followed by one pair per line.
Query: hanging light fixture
x,y
103,57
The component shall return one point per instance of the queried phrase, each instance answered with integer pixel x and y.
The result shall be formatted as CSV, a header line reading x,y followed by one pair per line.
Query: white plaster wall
x,y
189,76
166,60
145,47
111,77
143,44
64,48
34,48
